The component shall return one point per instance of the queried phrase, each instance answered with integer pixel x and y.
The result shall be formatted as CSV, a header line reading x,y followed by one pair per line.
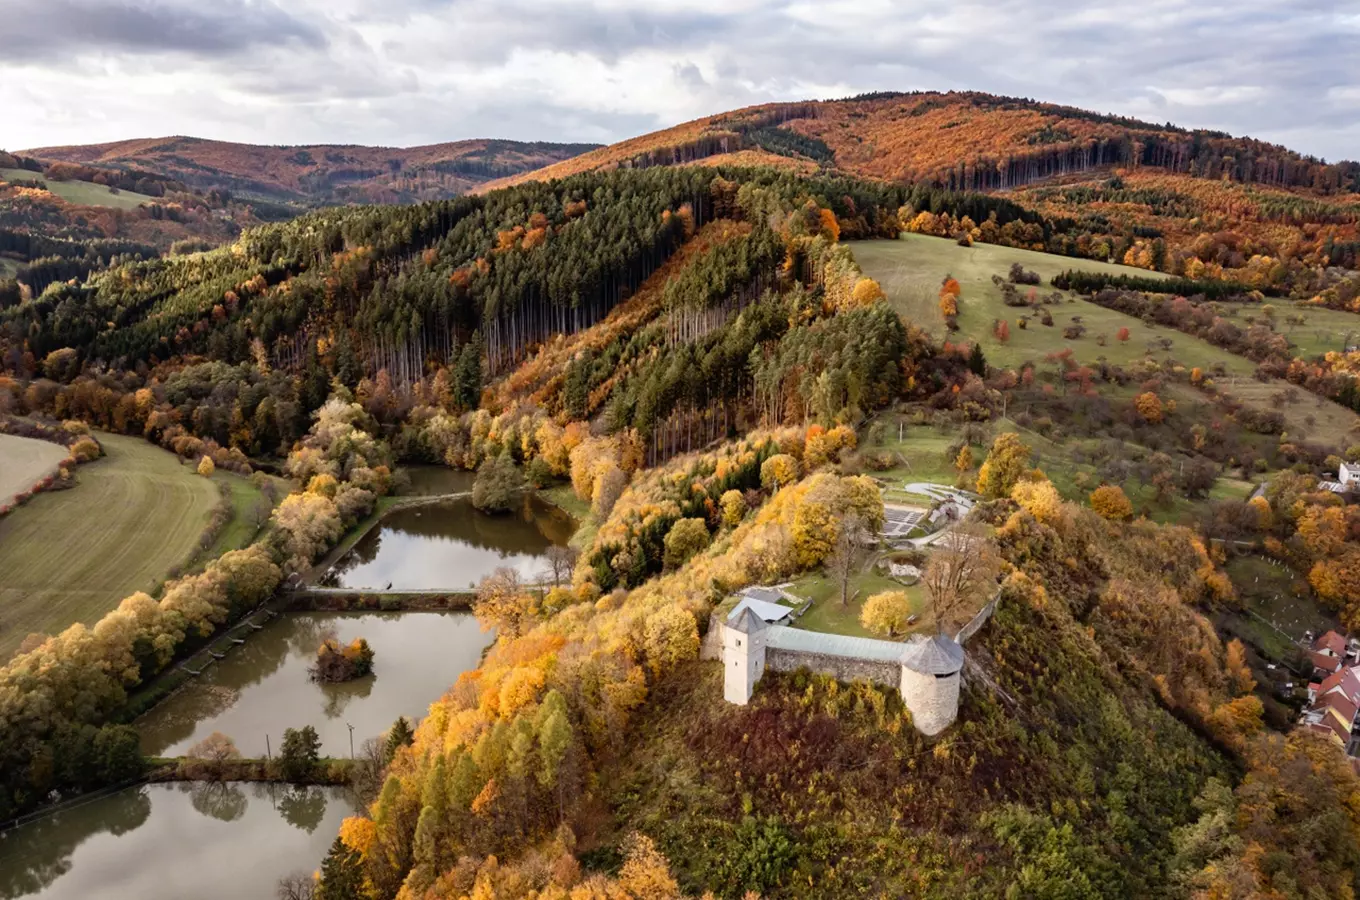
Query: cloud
x,y
50,30
410,71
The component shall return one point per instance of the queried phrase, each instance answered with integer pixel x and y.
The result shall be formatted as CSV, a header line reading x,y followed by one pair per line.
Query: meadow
x,y
71,556
81,193
911,269
1320,330
26,461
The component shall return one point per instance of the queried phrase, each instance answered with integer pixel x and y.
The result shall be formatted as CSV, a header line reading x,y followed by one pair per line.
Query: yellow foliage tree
x,y
1149,406
778,471
1004,465
206,467
886,612
671,637
1110,502
1040,498
867,292
733,508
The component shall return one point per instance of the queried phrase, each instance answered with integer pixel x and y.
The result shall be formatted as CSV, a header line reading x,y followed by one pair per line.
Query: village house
x,y
1346,478
1334,701
1327,653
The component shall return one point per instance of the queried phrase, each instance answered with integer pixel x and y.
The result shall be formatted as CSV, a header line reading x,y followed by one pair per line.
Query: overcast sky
x,y
405,72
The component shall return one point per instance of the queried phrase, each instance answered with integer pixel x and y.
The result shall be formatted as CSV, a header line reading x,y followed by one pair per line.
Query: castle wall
x,y
839,667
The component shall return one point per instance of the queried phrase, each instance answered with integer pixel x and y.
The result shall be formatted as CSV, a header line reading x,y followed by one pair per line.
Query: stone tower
x,y
930,682
743,656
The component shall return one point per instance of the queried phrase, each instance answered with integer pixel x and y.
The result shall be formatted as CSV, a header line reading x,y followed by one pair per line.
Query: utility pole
x,y
351,739
268,751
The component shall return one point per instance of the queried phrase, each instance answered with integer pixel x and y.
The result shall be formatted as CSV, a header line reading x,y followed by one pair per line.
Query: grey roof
x,y
747,623
763,594
770,612
784,638
939,655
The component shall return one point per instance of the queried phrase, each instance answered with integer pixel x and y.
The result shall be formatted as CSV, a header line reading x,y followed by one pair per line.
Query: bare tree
x,y
847,554
214,751
297,886
367,777
561,562
962,568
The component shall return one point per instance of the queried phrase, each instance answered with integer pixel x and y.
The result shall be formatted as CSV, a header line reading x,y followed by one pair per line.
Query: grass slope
x,y
25,462
71,556
911,269
81,193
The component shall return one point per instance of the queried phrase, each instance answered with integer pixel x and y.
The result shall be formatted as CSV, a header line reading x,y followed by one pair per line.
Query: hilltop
x,y
320,174
960,141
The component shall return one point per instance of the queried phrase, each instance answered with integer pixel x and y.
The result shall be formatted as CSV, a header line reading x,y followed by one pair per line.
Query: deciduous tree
x,y
886,612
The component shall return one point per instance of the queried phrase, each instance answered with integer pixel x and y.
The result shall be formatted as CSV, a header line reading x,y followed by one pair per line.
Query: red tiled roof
x,y
1331,641
1346,680
1334,721
1324,662
1340,704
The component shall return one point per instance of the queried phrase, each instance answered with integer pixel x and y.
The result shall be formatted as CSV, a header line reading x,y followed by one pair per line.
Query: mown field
x,y
71,556
23,462
82,193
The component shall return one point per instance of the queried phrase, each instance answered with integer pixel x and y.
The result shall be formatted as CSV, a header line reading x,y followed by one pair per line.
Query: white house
x,y
1347,474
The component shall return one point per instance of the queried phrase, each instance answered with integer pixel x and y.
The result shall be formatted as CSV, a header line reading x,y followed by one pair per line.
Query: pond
x,y
169,841
451,546
262,688
430,481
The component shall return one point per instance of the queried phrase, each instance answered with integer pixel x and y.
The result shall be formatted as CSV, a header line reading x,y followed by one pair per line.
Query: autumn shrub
x,y
85,450
1109,502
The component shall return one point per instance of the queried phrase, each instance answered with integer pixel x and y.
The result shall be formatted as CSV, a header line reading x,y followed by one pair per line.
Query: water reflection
x,y
429,481
302,807
166,842
451,546
221,800
262,688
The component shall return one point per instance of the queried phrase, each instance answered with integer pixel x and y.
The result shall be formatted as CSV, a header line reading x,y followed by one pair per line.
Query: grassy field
x,y
71,556
827,614
25,462
246,503
83,193
1322,329
910,271
8,267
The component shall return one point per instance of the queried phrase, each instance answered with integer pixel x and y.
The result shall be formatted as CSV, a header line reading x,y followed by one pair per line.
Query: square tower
x,y
743,656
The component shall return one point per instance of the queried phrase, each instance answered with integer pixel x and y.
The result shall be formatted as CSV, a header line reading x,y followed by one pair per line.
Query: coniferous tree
x,y
342,875
467,379
977,363
400,735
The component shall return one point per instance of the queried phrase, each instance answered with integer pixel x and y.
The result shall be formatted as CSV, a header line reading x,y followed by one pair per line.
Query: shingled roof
x,y
938,655
748,622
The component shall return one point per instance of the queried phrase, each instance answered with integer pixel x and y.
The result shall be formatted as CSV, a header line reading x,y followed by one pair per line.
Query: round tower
x,y
930,682
743,656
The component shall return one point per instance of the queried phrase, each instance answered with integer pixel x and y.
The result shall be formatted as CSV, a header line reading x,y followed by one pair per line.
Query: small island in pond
x,y
336,662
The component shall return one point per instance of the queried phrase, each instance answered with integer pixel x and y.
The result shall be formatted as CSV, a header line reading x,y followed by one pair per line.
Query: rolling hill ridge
x,y
961,141
320,174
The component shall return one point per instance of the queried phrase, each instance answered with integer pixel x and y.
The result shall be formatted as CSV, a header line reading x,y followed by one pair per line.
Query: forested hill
x,y
321,174
961,140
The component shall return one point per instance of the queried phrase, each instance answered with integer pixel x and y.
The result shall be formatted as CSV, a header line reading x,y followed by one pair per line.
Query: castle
x,y
925,670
